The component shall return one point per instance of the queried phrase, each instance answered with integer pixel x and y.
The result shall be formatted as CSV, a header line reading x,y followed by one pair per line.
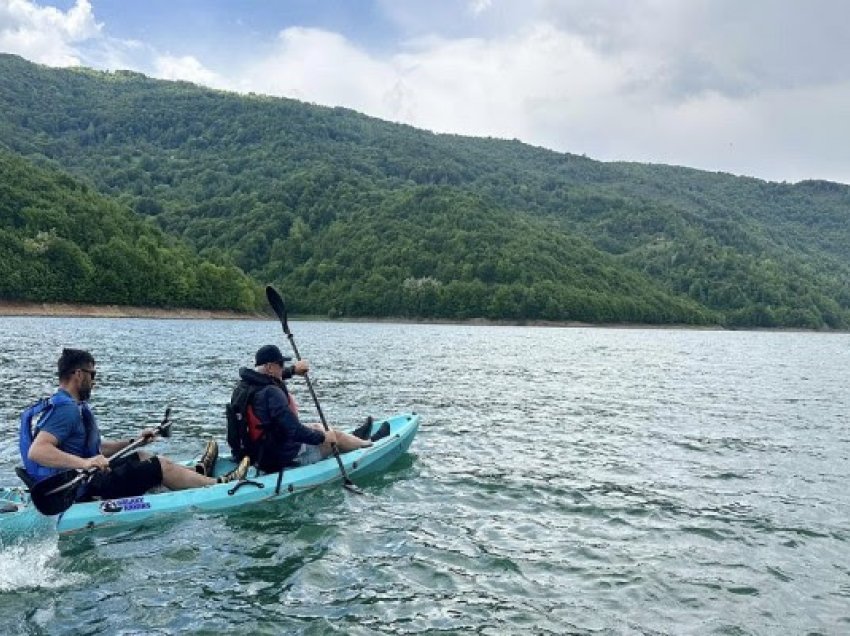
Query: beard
x,y
85,393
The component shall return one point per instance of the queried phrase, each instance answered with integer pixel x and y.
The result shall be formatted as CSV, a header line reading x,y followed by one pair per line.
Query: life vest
x,y
36,415
255,426
245,432
238,439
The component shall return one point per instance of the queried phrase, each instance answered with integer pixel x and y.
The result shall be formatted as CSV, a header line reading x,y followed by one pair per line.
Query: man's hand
x,y
98,461
302,367
147,436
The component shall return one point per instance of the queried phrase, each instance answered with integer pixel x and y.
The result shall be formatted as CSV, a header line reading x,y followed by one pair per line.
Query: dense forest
x,y
61,241
353,216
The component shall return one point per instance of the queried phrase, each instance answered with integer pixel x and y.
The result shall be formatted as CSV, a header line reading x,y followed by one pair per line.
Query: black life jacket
x,y
246,434
240,417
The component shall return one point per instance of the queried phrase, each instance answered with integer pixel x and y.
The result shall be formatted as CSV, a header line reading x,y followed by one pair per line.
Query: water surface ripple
x,y
587,481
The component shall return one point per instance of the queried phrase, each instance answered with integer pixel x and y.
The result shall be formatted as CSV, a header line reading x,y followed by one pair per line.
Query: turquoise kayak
x,y
19,517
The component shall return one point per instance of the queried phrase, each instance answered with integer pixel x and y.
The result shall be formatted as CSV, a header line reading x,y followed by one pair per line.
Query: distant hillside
x,y
61,241
355,216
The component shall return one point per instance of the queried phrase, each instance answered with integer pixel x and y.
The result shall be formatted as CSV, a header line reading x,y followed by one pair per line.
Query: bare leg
x,y
344,441
176,477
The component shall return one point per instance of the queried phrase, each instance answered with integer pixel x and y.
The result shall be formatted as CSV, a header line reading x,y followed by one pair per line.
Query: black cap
x,y
270,353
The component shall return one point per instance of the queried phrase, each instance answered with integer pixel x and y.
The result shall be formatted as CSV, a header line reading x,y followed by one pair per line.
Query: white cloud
x,y
653,81
71,38
186,68
474,86
479,6
756,88
46,34
316,66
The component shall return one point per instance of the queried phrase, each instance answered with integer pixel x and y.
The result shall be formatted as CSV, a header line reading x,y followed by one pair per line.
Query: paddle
x,y
276,302
54,495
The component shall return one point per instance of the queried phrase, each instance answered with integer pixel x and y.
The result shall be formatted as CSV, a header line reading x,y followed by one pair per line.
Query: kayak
x,y
18,516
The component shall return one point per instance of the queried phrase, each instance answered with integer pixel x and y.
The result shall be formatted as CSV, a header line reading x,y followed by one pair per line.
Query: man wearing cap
x,y
279,437
267,352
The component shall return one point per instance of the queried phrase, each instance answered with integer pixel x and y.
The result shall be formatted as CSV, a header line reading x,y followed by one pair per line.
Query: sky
x,y
749,87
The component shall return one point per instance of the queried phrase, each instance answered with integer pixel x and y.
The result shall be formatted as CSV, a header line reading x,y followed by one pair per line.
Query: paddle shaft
x,y
87,473
346,479
276,301
309,384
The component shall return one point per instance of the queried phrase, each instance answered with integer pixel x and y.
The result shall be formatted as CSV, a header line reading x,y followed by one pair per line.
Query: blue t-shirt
x,y
66,423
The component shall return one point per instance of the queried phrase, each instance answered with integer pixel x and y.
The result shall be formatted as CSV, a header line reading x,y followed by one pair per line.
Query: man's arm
x,y
45,451
302,367
280,413
110,447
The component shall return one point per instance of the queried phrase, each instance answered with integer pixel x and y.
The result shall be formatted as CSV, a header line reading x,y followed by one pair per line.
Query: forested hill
x,y
61,241
355,216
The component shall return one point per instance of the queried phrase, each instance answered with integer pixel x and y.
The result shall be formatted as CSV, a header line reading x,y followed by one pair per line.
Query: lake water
x,y
595,481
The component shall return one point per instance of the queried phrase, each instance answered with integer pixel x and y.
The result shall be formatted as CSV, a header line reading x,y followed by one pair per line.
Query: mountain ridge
x,y
279,187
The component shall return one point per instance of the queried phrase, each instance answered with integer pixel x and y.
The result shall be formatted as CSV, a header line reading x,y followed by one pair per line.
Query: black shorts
x,y
128,477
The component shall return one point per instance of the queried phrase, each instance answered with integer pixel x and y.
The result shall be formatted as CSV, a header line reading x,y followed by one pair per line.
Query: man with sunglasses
x,y
68,437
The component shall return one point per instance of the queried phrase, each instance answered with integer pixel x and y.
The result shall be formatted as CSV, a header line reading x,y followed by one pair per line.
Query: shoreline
x,y
58,310
69,310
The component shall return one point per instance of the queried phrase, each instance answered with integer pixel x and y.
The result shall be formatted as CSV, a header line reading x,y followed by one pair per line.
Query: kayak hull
x,y
21,517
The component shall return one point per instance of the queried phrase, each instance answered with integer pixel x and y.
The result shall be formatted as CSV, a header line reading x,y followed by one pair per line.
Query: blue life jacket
x,y
38,413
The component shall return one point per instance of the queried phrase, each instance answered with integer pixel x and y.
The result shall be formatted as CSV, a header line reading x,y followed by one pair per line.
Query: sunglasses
x,y
92,373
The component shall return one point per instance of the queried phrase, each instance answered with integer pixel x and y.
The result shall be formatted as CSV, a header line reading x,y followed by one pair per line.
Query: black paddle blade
x,y
56,494
352,487
165,425
278,306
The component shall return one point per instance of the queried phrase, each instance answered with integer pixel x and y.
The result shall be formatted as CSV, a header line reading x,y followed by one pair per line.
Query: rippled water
x,y
564,481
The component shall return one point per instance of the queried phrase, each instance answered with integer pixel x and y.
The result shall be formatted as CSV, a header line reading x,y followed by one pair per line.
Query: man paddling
x,y
271,432
67,437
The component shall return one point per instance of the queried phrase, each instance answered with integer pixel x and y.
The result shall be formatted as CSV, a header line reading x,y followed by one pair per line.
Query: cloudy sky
x,y
751,87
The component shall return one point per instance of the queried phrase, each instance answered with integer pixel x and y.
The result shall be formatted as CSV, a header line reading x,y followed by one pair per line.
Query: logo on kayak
x,y
119,505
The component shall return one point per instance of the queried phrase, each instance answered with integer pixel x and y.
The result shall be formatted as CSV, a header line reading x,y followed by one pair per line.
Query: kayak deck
x,y
18,515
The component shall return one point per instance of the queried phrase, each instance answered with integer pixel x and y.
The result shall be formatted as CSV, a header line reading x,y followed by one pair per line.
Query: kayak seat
x,y
24,477
291,464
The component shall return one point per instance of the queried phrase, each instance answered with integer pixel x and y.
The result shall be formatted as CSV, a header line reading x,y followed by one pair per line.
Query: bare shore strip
x,y
15,308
